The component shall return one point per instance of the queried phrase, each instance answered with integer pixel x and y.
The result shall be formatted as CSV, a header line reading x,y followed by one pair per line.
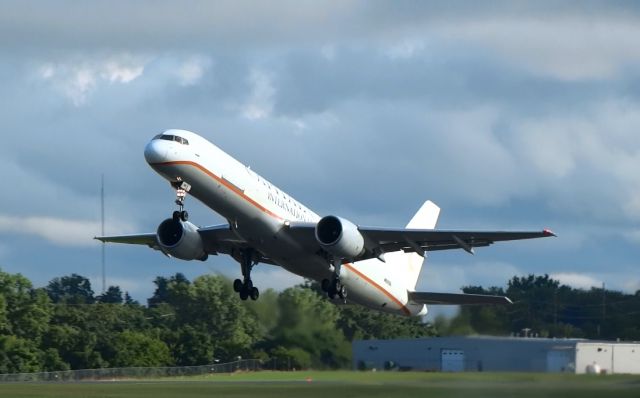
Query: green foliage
x,y
291,358
139,350
359,323
308,322
18,355
64,326
24,312
73,289
113,295
544,307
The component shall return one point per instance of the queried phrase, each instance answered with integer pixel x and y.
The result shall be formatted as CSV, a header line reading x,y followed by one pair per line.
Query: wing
x,y
148,239
386,240
216,239
456,298
418,240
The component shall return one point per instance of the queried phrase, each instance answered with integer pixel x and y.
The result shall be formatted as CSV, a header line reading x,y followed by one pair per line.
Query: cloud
x,y
77,78
565,47
575,280
447,277
58,231
509,115
261,99
192,70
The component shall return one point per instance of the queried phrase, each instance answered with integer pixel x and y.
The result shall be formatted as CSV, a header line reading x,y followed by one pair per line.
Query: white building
x,y
497,354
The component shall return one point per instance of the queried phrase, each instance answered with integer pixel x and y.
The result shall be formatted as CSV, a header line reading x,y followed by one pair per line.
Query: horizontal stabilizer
x,y
456,298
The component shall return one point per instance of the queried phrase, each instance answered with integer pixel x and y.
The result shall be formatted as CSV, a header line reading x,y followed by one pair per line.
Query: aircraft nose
x,y
156,151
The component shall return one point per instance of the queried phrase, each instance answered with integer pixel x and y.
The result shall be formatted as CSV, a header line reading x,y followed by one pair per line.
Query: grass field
x,y
343,385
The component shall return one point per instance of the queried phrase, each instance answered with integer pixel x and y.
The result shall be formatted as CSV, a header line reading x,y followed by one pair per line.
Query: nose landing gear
x,y
181,194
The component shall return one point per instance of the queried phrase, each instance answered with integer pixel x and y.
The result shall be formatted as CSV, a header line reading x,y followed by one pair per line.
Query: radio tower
x,y
104,272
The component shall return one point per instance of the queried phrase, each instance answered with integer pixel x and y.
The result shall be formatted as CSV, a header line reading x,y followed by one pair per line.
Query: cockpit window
x,y
169,137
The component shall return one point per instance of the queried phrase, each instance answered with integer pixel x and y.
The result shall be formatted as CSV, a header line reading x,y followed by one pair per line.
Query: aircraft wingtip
x,y
548,232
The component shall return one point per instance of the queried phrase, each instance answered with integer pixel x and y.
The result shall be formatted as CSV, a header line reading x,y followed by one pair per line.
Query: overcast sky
x,y
509,115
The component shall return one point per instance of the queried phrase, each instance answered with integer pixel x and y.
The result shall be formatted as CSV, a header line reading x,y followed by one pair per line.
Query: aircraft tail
x,y
409,265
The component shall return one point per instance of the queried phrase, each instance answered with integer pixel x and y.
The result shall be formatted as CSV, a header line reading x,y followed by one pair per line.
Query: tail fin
x,y
410,264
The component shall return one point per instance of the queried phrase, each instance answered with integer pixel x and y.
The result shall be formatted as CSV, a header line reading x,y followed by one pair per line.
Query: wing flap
x,y
456,298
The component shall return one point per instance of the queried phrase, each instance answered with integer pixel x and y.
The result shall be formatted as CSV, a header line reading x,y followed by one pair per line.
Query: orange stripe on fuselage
x,y
222,181
242,195
383,290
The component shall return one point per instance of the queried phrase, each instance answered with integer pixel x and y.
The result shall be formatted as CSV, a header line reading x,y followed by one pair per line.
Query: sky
x,y
509,115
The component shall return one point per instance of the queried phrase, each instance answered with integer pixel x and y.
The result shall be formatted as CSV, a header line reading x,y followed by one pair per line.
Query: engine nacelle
x,y
339,237
180,239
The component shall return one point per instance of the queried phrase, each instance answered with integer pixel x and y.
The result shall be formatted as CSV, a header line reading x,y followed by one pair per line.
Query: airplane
x,y
374,267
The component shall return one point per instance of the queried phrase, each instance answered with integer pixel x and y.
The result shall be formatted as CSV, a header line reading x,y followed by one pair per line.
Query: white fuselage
x,y
258,212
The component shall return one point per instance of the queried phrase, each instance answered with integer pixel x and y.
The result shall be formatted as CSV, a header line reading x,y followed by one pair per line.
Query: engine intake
x,y
339,237
180,239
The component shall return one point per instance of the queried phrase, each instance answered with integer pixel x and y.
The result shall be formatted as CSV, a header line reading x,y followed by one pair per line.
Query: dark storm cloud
x,y
158,25
507,114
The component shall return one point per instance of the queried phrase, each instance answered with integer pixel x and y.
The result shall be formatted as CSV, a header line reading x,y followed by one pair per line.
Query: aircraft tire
x,y
343,292
255,293
184,215
237,286
176,215
244,295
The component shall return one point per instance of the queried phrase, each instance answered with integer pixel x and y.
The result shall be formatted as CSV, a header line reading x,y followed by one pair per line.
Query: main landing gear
x,y
181,194
333,287
245,287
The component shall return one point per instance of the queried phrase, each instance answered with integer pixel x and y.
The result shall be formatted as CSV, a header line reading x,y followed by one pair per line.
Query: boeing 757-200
x,y
377,267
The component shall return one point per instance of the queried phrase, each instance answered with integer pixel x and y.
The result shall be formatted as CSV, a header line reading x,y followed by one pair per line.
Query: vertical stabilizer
x,y
410,264
426,217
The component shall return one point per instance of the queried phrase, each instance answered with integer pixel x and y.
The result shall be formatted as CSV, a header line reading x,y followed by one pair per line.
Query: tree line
x,y
65,325
544,307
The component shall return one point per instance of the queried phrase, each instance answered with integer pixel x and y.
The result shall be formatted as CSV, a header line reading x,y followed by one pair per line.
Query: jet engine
x,y
339,237
180,239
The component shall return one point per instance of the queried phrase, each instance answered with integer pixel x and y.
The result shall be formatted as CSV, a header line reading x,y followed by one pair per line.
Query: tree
x,y
113,295
24,312
139,350
18,355
73,289
309,322
358,322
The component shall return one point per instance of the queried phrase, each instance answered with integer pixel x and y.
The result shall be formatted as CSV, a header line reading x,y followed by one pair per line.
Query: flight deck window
x,y
175,138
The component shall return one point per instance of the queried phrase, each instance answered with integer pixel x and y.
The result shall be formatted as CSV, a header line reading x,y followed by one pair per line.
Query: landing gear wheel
x,y
245,286
176,215
237,286
342,292
334,288
255,293
184,215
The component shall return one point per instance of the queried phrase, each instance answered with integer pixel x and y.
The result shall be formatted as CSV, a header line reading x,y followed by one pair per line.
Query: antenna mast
x,y
104,272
